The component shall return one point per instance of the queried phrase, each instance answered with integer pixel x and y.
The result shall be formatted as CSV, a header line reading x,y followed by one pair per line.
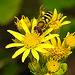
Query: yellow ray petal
x,y
25,54
46,46
49,37
16,35
23,17
66,22
54,15
68,34
18,52
35,54
69,48
41,50
63,18
59,16
34,23
63,43
14,45
53,41
59,41
25,26
46,32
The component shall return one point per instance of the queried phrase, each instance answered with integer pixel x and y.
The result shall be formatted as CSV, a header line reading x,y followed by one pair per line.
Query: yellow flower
x,y
48,74
48,49
52,65
19,24
46,54
70,39
60,50
56,21
30,42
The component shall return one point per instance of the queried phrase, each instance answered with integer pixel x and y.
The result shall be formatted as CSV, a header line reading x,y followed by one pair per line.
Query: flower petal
x,y
25,54
49,37
16,35
46,46
66,22
53,41
54,15
25,26
35,54
14,45
68,34
34,23
46,32
63,18
41,50
59,16
63,43
18,52
59,41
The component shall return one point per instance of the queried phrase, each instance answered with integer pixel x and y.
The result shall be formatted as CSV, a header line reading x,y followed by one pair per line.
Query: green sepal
x,y
34,66
62,69
63,59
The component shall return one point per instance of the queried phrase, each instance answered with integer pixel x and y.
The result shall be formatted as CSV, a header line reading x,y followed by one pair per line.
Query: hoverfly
x,y
43,19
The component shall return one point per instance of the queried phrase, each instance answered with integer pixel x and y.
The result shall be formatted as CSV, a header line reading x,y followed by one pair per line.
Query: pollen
x,y
31,40
55,25
52,65
59,52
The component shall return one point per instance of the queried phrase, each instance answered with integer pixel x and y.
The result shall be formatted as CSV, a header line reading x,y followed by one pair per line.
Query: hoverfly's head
x,y
38,29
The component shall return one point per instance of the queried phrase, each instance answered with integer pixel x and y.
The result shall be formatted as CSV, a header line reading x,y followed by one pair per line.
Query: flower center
x,y
55,25
59,52
52,65
31,40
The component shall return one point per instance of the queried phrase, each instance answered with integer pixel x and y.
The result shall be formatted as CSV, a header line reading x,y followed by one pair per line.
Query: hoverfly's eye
x,y
35,28
39,30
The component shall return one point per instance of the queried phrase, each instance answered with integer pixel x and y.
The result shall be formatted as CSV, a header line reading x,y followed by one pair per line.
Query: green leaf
x,y
8,9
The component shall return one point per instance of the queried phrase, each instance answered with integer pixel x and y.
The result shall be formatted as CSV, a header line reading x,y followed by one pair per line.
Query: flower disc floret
x,y
60,50
52,65
31,40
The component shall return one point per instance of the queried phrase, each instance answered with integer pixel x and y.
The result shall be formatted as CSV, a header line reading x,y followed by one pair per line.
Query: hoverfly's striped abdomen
x,y
45,19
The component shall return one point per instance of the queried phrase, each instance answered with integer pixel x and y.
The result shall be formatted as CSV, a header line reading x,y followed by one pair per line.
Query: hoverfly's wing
x,y
41,11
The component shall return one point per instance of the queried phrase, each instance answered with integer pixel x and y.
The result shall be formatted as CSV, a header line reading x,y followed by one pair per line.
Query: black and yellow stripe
x,y
45,19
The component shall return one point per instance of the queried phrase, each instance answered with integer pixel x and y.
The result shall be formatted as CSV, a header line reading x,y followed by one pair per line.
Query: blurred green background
x,y
30,8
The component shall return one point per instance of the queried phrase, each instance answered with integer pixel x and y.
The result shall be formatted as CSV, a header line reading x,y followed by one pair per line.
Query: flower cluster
x,y
57,19
42,45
